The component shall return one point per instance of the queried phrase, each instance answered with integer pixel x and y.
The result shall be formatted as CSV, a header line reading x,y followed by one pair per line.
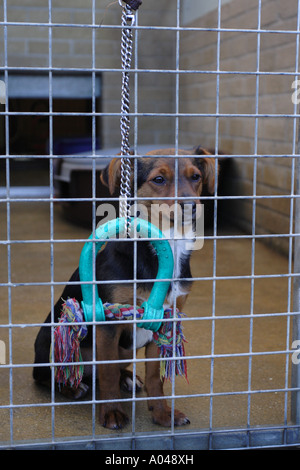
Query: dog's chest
x,y
180,252
143,337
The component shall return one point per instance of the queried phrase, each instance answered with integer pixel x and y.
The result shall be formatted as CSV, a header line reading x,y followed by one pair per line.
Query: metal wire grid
x,y
280,435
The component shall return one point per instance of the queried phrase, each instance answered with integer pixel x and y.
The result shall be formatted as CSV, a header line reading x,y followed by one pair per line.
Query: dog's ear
x,y
201,151
111,175
207,167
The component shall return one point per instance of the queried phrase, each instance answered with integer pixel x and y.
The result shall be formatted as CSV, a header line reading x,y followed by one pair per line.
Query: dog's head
x,y
161,179
156,173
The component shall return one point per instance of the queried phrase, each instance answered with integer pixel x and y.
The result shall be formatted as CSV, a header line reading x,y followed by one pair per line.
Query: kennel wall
x,y
220,77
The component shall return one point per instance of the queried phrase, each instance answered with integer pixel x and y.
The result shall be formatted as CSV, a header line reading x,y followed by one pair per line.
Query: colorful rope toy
x,y
68,334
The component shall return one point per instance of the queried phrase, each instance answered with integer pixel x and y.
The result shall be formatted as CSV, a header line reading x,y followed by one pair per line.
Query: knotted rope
x,y
68,334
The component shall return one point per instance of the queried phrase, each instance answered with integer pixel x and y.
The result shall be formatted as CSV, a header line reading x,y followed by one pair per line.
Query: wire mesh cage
x,y
223,76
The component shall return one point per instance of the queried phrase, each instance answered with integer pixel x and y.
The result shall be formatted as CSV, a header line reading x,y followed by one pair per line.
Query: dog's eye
x,y
196,177
159,180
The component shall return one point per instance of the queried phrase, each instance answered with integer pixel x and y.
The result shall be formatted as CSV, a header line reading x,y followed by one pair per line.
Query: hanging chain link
x,y
126,55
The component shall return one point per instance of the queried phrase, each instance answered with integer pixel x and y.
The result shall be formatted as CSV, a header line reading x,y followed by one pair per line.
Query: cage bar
x,y
169,113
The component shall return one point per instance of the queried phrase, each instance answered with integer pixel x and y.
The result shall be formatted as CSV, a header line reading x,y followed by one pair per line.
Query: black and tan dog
x,y
155,179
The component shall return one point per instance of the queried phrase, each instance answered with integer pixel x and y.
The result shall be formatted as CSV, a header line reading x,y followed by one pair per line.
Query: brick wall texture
x,y
237,95
28,46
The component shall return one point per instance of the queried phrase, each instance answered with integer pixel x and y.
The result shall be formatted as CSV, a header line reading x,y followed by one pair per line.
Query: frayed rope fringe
x,y
68,334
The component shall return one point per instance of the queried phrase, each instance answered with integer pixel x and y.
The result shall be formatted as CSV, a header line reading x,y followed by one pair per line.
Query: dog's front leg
x,y
112,415
161,412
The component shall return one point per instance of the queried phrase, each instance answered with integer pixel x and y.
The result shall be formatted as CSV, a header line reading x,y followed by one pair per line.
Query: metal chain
x,y
126,55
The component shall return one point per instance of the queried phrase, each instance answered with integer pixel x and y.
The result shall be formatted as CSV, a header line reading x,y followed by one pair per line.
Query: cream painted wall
x,y
193,9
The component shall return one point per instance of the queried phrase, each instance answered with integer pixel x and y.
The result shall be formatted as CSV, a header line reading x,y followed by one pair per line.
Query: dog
x,y
155,181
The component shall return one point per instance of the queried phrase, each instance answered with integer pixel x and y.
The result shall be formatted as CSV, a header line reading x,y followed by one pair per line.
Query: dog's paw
x,y
113,419
80,392
75,393
165,418
126,381
180,418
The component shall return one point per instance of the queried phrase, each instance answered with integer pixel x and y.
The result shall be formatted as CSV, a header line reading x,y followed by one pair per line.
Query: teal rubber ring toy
x,y
153,307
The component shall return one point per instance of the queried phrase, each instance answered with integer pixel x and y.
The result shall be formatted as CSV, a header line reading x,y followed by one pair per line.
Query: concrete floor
x,y
30,304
